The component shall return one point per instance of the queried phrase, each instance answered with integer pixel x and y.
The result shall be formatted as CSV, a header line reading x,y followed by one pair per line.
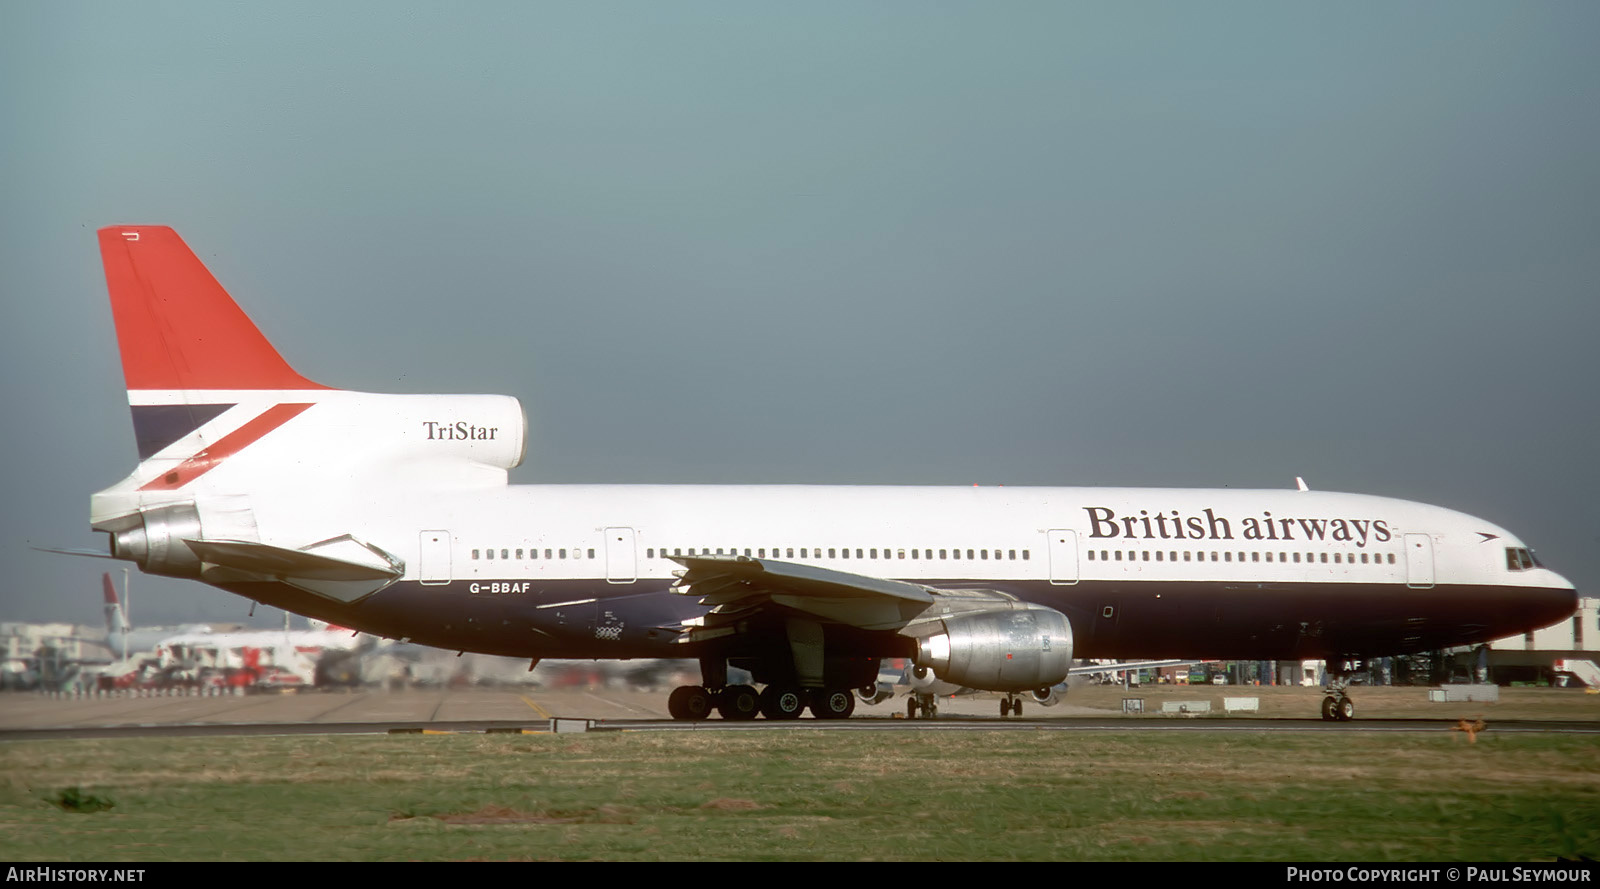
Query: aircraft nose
x,y
1559,600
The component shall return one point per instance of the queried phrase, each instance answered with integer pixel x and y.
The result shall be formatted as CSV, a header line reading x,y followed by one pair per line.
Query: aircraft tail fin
x,y
223,423
177,328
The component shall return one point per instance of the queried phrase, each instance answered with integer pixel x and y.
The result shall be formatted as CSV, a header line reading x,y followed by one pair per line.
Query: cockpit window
x,y
1521,559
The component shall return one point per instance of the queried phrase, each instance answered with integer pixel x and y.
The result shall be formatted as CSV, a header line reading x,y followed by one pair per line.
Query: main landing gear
x,y
924,703
1010,705
742,702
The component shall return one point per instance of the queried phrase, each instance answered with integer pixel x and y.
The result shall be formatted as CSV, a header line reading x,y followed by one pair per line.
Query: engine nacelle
x,y
876,693
153,539
922,680
1014,650
1045,697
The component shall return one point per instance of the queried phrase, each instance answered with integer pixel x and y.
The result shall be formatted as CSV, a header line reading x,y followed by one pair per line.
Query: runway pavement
x,y
25,714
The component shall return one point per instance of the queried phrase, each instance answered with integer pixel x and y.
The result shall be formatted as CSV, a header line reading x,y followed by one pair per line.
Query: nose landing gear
x,y
1337,705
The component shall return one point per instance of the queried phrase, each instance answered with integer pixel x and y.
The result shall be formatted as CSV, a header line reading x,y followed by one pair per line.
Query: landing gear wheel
x,y
1005,707
1344,710
689,702
832,703
911,707
782,703
738,703
1328,704
1016,707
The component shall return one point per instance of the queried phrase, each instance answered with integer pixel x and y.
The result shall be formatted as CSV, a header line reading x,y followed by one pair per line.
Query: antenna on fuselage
x,y
1301,483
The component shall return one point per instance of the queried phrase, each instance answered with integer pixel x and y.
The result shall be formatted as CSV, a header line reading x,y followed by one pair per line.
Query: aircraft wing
x,y
1122,666
737,587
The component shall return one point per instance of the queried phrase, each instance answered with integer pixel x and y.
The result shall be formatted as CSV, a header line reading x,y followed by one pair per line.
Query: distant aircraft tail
x,y
116,618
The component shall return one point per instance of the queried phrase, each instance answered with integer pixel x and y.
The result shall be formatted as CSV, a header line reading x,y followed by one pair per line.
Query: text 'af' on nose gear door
x,y
621,562
433,557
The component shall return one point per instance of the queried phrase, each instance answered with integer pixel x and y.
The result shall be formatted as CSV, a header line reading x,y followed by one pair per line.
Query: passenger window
x,y
474,554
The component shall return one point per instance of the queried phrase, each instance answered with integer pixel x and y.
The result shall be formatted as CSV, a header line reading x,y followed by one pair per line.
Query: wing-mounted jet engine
x,y
988,641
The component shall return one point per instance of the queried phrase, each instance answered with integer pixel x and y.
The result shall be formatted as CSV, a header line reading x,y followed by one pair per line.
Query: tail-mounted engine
x,y
154,539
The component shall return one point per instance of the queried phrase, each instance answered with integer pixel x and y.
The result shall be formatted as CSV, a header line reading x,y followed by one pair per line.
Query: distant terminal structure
x,y
1564,653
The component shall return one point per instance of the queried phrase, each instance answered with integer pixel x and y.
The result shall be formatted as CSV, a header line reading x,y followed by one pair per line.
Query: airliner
x,y
392,514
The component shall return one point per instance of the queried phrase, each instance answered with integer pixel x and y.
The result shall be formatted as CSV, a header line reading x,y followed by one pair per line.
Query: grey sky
x,y
934,243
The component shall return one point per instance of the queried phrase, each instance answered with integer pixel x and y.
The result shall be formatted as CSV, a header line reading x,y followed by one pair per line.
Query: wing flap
x,y
737,587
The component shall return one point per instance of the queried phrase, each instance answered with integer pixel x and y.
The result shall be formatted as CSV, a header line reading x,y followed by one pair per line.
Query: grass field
x,y
799,795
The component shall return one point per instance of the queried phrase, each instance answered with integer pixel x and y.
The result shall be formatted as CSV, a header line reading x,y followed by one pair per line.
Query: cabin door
x,y
433,562
1063,556
1419,561
621,561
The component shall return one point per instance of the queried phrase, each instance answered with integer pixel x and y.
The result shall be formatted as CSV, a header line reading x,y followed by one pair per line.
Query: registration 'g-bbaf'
x,y
392,514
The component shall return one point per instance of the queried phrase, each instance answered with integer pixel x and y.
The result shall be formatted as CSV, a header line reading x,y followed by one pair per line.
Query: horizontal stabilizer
x,y
91,553
261,558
